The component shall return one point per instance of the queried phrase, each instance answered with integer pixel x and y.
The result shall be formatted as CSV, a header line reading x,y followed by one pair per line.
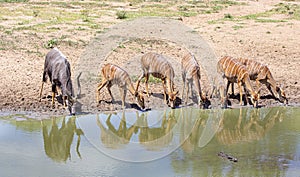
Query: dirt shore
x,y
272,40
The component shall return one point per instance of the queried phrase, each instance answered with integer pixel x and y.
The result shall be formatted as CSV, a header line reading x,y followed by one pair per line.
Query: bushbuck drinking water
x,y
57,68
191,75
159,67
235,72
113,74
262,74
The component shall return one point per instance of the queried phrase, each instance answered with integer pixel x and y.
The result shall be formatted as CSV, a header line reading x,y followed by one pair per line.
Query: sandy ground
x,y
273,43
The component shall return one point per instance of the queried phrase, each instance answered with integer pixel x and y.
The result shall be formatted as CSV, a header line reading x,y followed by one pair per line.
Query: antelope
x,y
159,67
57,68
113,74
262,74
235,72
219,90
58,141
191,74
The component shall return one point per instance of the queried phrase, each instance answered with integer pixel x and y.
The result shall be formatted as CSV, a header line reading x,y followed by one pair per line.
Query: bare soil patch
x,y
22,52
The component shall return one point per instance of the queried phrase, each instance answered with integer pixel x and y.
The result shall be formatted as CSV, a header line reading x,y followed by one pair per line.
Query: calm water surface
x,y
180,142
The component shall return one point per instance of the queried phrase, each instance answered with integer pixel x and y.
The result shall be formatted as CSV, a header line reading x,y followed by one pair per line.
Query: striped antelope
x,y
112,74
235,72
57,68
262,74
219,90
191,74
159,67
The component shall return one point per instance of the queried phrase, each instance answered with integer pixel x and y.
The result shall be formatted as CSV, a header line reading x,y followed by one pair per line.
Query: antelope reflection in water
x,y
199,132
114,138
57,142
228,126
152,138
155,138
249,125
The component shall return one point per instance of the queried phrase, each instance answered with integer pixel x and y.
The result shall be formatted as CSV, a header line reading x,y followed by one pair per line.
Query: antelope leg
x,y
100,86
109,91
146,83
138,82
53,94
241,92
41,91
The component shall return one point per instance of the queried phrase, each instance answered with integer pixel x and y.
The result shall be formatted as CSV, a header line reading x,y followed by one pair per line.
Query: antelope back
x,y
254,68
115,74
231,68
59,71
190,66
153,63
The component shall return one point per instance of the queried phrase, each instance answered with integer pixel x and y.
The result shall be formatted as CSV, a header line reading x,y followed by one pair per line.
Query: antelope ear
x,y
176,93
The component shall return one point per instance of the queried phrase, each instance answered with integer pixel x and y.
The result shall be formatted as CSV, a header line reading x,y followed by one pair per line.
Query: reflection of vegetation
x,y
24,123
57,143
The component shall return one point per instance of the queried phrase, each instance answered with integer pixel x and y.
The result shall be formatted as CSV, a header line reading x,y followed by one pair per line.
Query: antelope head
x,y
255,97
140,99
172,98
72,102
282,96
205,102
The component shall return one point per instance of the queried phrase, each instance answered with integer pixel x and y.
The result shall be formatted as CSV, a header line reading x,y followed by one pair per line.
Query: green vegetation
x,y
291,10
121,14
236,27
228,16
85,16
151,79
11,1
25,123
51,43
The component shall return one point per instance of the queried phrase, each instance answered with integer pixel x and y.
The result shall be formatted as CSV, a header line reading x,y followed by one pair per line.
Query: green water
x,y
180,142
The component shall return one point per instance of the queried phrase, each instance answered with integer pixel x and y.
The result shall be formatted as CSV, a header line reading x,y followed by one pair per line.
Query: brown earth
x,y
22,57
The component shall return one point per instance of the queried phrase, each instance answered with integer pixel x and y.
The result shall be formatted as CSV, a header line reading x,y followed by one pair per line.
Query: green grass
x,y
13,1
236,27
291,10
152,79
121,14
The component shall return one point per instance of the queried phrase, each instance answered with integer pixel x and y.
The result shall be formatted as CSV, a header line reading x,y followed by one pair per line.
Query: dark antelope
x,y
262,74
159,67
112,74
191,75
57,68
235,72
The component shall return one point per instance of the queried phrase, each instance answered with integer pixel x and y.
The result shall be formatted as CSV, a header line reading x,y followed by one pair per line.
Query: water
x,y
180,142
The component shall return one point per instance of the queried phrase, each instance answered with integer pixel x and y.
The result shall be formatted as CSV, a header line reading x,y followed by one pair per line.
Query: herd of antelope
x,y
235,70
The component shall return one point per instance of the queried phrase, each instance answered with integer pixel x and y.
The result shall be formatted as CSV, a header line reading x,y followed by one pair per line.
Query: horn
x,y
78,85
70,97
